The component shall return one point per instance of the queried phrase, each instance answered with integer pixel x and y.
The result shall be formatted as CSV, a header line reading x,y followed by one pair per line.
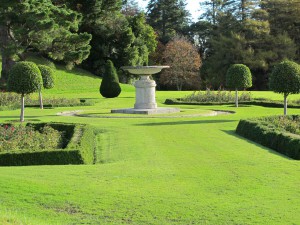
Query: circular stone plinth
x,y
146,111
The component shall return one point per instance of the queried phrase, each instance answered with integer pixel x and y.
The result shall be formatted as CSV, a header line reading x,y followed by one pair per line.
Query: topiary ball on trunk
x,y
24,78
238,76
48,76
285,78
110,87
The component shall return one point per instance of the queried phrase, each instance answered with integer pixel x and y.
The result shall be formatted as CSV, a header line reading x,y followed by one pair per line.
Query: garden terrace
x,y
46,144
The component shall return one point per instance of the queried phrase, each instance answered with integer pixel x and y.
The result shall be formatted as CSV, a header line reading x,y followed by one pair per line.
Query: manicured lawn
x,y
155,170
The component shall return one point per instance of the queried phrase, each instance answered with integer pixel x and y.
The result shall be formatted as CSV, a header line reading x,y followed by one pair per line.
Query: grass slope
x,y
154,170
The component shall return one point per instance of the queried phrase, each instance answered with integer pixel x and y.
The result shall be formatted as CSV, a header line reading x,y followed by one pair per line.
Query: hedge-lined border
x,y
78,148
284,143
272,104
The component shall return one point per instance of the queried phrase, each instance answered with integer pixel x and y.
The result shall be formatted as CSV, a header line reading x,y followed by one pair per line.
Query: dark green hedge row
x,y
284,143
264,103
79,148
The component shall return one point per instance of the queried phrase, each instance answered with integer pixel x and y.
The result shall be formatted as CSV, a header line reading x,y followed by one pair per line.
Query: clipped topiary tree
x,y
285,79
24,78
48,81
238,77
110,87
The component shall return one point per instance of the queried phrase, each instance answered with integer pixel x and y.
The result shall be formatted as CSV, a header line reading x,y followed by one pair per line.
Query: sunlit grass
x,y
154,170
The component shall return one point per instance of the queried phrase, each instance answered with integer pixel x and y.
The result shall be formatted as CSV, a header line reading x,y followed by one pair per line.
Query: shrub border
x,y
273,104
284,143
79,148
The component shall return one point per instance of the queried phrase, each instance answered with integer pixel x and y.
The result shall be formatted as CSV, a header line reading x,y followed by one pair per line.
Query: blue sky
x,y
192,5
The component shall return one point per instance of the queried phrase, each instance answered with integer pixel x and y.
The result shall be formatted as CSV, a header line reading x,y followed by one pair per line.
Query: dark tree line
x,y
252,32
257,33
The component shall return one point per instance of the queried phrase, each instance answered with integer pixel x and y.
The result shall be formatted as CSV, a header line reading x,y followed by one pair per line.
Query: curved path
x,y
76,113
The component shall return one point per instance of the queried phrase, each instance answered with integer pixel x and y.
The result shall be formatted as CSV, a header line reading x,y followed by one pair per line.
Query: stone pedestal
x,y
145,102
145,93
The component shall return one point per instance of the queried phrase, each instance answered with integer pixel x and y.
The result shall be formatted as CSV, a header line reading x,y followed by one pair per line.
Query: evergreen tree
x,y
40,25
130,8
124,39
284,19
168,18
110,87
242,34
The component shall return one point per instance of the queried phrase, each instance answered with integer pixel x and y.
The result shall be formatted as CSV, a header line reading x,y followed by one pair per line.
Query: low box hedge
x,y
264,103
78,148
258,130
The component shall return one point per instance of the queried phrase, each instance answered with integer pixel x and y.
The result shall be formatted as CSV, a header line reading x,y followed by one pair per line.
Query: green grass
x,y
154,170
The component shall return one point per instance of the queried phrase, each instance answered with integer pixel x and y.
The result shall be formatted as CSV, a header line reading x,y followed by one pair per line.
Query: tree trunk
x,y
22,108
285,104
7,61
236,98
41,99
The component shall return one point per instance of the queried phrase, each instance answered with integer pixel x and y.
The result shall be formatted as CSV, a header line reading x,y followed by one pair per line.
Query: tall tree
x,y
123,39
168,18
130,8
184,61
284,18
241,34
42,26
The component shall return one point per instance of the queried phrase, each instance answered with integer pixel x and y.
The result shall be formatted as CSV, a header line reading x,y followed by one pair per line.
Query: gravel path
x,y
76,113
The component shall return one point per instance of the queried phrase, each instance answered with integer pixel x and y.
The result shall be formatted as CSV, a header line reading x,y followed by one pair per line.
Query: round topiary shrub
x,y
285,79
48,81
110,87
238,77
48,76
24,78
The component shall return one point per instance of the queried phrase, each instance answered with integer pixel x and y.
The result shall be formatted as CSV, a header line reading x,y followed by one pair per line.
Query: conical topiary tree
x,y
24,78
238,77
110,87
48,81
285,79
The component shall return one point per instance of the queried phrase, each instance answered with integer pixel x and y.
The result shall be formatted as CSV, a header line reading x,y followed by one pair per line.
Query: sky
x,y
192,5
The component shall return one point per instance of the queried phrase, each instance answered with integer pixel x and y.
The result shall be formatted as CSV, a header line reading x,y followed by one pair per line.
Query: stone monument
x,y
145,102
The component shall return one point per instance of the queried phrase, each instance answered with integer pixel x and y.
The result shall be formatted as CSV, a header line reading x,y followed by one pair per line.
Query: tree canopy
x,y
44,26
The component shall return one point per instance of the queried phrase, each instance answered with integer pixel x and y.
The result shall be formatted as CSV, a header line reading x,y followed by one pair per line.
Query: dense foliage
x,y
259,34
168,18
239,77
285,79
110,87
184,61
256,33
44,26
280,133
24,78
48,76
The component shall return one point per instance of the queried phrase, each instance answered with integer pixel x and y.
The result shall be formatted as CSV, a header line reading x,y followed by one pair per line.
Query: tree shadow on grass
x,y
185,122
233,133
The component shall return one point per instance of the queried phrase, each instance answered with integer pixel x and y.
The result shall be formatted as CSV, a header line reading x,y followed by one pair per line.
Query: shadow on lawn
x,y
233,133
185,122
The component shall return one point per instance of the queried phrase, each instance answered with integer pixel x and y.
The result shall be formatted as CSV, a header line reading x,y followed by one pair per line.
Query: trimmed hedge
x,y
258,130
78,148
264,103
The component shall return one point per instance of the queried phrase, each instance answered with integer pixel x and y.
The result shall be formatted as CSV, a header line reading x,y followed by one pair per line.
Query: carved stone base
x,y
146,111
